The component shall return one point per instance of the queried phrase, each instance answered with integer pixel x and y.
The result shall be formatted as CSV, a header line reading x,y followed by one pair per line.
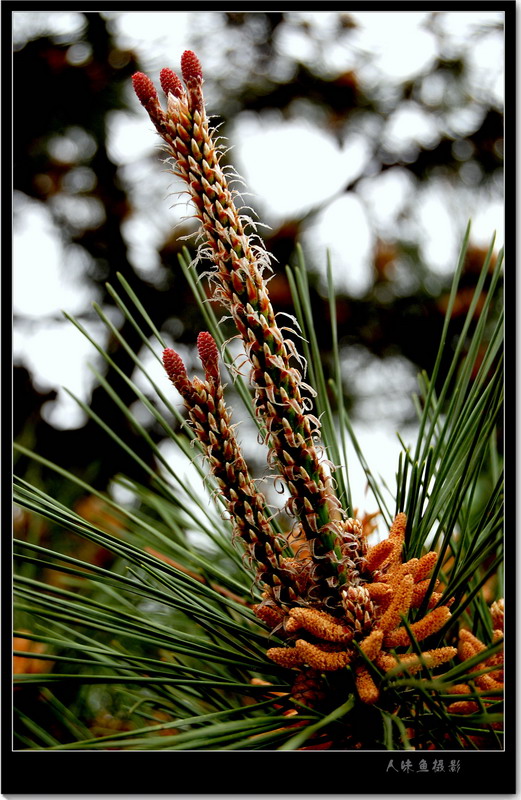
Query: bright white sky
x,y
277,159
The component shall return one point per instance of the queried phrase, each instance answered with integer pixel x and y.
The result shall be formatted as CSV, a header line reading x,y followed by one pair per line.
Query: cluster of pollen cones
x,y
335,601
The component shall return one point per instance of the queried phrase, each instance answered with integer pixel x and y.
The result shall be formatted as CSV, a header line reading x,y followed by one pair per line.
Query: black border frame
x,y
272,772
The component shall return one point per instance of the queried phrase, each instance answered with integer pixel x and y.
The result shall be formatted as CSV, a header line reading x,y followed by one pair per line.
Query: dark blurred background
x,y
377,135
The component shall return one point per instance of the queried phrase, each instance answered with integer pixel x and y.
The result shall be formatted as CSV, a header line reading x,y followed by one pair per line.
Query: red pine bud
x,y
191,68
209,355
143,87
170,82
175,369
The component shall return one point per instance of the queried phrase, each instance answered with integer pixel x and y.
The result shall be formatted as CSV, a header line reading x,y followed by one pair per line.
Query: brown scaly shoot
x,y
239,262
211,421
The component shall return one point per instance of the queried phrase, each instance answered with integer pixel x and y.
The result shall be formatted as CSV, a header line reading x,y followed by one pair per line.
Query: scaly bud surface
x,y
191,67
170,83
176,371
144,88
209,355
